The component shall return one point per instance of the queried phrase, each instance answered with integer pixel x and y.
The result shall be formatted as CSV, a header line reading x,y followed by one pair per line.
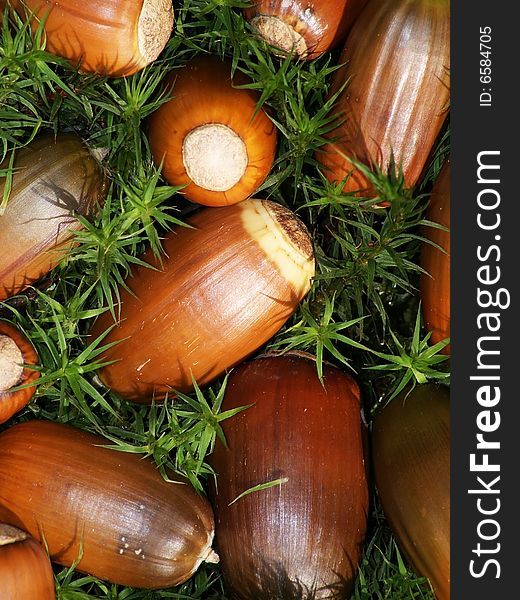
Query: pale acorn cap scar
x,y
11,363
207,554
280,34
154,28
283,238
214,156
11,535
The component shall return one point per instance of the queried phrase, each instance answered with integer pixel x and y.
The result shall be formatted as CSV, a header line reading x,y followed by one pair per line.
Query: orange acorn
x,y
303,538
25,570
307,28
411,455
207,136
15,352
55,179
396,98
113,510
435,284
226,286
108,37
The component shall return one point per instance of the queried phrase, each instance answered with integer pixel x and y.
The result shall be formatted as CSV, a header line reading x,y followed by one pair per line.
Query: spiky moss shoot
x,y
280,34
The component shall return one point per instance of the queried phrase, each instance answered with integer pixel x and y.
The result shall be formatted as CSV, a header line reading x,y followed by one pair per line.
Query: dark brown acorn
x,y
397,60
435,285
108,37
303,537
25,570
224,288
15,352
209,136
114,509
306,27
411,455
55,179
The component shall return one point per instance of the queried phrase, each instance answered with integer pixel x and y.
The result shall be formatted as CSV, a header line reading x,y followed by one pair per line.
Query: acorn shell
x,y
133,528
303,538
208,138
55,179
107,37
307,28
394,105
435,287
25,570
226,286
14,345
411,455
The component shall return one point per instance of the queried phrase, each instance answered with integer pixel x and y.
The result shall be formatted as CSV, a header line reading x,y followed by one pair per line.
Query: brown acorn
x,y
307,28
15,352
411,455
435,260
207,136
226,285
25,570
132,527
396,100
301,538
107,37
55,179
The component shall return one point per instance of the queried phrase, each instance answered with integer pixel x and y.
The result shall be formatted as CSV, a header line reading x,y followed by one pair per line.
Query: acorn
x,y
111,510
411,455
25,570
435,260
396,64
54,180
306,28
16,356
225,286
209,136
108,37
301,538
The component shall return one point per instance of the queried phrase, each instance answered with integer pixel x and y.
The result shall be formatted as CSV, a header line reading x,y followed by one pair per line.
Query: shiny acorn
x,y
55,179
301,538
108,37
396,68
114,509
207,136
17,355
306,28
25,570
411,457
435,260
225,286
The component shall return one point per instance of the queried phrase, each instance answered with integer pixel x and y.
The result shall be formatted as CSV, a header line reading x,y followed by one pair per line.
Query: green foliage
x,y
383,573
318,336
362,312
259,488
417,364
177,435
